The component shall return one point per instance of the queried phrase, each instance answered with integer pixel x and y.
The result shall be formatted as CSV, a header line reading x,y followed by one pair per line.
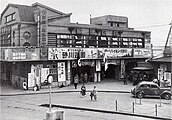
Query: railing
x,y
143,109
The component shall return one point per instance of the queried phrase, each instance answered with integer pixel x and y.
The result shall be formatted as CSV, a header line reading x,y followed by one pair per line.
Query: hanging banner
x,y
98,65
61,72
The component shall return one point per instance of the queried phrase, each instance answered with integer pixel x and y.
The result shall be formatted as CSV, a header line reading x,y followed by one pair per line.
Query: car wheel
x,y
140,95
167,96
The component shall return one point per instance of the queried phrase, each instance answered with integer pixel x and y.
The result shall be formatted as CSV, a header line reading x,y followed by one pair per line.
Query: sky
x,y
146,15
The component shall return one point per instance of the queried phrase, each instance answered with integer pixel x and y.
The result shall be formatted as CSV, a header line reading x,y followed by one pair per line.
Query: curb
x,y
105,111
63,91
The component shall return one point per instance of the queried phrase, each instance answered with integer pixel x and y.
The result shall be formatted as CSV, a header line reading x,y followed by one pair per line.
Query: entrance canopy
x,y
142,68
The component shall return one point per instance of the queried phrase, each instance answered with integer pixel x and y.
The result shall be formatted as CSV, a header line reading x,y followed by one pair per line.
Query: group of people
x,y
93,93
83,79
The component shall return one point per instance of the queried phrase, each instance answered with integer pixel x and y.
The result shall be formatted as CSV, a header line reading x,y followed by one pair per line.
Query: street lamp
x,y
50,80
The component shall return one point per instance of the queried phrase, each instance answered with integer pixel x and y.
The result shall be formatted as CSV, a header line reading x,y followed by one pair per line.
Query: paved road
x,y
26,107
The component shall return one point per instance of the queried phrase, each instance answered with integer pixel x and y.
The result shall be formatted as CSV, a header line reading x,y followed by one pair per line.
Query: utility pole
x,y
168,45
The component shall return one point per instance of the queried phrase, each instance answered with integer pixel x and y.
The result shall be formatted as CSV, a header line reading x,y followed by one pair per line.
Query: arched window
x,y
26,44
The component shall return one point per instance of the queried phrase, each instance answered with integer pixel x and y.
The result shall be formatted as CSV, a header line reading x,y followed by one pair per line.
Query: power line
x,y
153,26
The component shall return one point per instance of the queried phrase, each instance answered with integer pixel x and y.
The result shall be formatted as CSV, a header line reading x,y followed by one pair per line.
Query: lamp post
x,y
50,80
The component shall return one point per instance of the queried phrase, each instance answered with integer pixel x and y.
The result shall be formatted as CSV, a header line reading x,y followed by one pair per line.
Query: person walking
x,y
93,94
76,80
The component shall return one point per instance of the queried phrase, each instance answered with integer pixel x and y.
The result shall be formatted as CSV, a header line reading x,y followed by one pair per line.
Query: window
x,y
10,17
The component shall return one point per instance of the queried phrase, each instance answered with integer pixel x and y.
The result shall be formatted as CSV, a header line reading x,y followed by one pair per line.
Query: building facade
x,y
163,64
38,40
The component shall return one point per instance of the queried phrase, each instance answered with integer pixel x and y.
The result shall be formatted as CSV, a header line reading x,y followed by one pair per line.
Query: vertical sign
x,y
68,70
160,74
43,27
122,68
61,72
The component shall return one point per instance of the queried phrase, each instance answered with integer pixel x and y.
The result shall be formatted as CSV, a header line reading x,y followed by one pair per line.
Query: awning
x,y
163,59
142,68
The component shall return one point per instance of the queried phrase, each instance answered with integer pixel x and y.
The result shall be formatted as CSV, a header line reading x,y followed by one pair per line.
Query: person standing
x,y
76,80
125,79
85,77
83,90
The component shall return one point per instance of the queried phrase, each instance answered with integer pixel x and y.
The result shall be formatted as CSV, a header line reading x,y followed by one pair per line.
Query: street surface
x,y
27,107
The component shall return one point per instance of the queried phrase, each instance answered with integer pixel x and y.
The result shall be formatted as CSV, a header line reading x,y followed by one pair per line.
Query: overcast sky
x,y
149,15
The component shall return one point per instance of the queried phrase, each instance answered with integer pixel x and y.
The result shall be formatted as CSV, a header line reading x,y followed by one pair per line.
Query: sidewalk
x,y
104,86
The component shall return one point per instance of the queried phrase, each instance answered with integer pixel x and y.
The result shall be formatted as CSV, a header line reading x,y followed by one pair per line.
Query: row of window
x,y
95,41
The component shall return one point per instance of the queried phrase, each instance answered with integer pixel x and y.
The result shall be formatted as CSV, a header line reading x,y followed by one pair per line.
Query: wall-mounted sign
x,y
142,53
43,27
112,53
62,53
61,72
22,54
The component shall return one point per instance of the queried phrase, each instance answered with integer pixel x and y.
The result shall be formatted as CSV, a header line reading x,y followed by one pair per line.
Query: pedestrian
x,y
36,88
85,77
76,80
125,80
24,85
81,78
83,90
93,94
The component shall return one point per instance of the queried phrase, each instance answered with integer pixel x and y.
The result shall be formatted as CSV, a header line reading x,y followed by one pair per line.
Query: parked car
x,y
150,89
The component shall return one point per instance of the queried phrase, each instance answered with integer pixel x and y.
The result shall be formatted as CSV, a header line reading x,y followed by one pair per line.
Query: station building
x,y
38,40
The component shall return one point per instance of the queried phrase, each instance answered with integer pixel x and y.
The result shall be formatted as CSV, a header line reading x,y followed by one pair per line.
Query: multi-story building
x,y
38,40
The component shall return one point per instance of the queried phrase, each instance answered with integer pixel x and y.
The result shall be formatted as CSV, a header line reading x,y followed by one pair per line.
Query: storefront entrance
x,y
112,72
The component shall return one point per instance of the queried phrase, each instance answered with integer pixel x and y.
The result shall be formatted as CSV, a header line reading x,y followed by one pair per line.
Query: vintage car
x,y
150,89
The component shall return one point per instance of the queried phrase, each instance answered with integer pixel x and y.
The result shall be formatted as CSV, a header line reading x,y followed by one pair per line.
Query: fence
x,y
139,108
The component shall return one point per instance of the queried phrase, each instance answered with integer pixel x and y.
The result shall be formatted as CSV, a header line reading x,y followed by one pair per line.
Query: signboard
x,y
61,72
122,68
87,53
62,53
146,53
112,53
22,54
43,27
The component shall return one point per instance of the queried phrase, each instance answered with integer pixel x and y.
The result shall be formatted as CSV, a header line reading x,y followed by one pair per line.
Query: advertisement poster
x,y
61,72
31,80
44,73
160,74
